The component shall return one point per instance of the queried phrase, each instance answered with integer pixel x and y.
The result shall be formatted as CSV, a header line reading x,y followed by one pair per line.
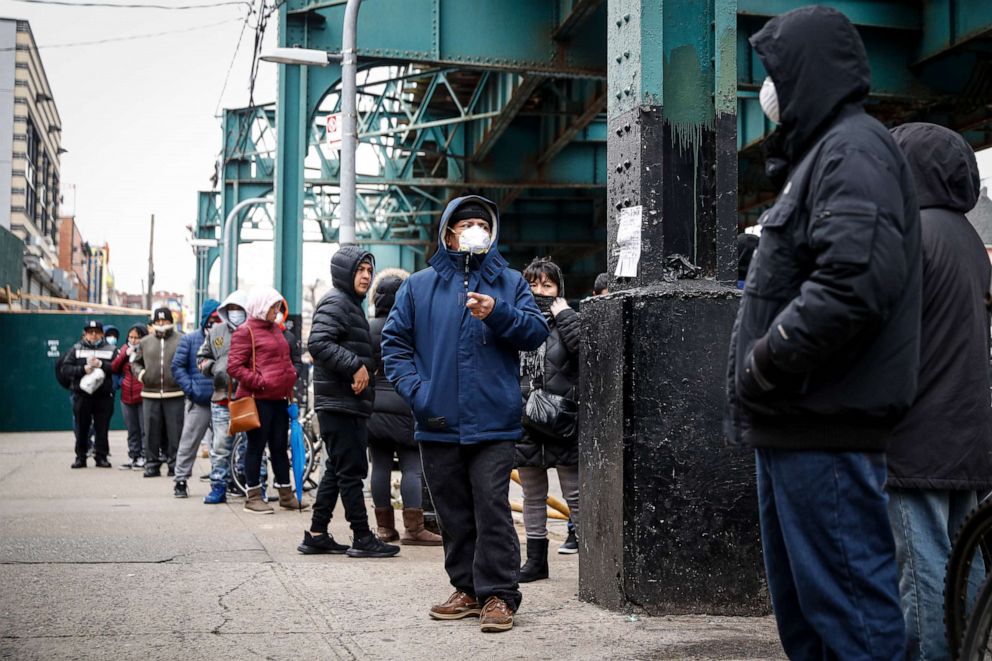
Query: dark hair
x,y
601,283
544,266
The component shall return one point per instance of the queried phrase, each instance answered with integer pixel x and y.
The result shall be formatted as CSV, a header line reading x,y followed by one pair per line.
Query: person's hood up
x,y
818,63
943,164
209,306
490,264
382,293
237,297
111,328
260,300
142,330
344,266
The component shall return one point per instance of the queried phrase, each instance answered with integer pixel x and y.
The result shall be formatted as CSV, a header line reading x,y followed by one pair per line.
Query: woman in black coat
x,y
555,368
391,433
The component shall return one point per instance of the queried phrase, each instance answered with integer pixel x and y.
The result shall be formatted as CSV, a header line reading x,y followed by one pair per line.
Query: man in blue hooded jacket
x,y
199,389
450,347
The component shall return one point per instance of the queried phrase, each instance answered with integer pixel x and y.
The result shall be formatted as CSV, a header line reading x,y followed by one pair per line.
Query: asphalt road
x,y
104,564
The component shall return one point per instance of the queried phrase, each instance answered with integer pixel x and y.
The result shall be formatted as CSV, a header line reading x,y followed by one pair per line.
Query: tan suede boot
x,y
287,499
254,503
385,519
416,534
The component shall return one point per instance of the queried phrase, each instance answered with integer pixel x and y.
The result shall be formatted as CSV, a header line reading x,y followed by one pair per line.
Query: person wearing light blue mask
x,y
211,360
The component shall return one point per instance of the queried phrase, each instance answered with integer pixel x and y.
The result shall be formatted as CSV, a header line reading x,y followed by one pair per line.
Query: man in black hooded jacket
x,y
825,349
940,456
341,348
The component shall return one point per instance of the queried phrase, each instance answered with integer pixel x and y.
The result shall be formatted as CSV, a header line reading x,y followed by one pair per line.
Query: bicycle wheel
x,y
974,538
237,449
976,645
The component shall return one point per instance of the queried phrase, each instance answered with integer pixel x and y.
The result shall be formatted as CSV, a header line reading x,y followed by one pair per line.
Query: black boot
x,y
536,567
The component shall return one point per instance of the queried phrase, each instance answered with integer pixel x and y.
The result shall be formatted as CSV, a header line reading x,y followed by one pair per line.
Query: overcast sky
x,y
139,123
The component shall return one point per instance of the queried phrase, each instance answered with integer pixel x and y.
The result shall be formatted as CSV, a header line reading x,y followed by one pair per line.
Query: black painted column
x,y
668,514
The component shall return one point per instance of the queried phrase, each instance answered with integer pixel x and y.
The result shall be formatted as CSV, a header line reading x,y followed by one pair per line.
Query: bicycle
x,y
968,631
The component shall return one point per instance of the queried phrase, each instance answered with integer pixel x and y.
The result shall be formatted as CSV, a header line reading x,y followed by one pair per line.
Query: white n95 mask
x,y
768,98
473,240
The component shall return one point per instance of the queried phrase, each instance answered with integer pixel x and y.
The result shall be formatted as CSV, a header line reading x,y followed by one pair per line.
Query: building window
x,y
31,173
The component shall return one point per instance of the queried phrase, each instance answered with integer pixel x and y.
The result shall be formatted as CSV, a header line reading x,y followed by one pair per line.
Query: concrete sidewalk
x,y
104,564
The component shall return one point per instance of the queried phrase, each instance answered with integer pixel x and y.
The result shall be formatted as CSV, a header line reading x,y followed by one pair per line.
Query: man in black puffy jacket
x,y
341,348
89,354
825,349
940,457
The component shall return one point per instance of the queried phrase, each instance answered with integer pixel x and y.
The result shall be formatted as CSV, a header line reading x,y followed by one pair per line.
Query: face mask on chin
x,y
474,240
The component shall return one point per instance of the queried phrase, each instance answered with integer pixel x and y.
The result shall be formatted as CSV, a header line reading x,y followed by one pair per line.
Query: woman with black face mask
x,y
553,368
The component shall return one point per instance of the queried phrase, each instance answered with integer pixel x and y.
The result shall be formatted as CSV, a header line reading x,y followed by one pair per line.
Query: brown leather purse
x,y
244,411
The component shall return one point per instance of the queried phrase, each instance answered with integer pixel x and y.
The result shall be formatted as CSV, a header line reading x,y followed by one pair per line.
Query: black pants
x,y
470,485
163,424
96,410
346,442
274,432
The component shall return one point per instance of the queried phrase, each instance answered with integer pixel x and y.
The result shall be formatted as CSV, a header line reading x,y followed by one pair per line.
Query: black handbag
x,y
551,415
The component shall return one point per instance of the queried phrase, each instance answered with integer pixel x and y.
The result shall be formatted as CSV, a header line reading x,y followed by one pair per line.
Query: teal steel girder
x,y
511,35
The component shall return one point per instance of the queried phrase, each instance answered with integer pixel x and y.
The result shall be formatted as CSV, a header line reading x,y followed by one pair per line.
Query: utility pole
x,y
151,265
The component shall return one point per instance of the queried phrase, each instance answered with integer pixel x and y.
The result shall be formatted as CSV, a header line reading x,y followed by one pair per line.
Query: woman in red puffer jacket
x,y
131,398
269,379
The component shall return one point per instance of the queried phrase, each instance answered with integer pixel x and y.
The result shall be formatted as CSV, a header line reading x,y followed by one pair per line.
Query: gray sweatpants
x,y
195,426
534,482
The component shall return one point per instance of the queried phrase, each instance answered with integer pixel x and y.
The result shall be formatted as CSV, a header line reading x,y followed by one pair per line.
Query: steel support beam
x,y
580,13
891,14
521,94
291,148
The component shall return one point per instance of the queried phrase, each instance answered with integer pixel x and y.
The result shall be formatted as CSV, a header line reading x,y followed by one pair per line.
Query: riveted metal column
x,y
668,514
291,149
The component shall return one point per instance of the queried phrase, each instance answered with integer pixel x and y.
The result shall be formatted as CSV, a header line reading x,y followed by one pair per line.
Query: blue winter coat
x,y
460,375
197,386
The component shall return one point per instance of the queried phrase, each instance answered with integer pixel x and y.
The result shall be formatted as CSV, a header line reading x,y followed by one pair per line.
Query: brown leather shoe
x,y
459,605
496,616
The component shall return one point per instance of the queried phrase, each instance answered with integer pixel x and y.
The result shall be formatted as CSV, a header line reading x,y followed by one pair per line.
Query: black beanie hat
x,y
470,209
162,313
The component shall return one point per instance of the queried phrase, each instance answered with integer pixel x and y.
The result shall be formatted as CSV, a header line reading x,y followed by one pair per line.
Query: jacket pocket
x,y
845,233
420,400
774,272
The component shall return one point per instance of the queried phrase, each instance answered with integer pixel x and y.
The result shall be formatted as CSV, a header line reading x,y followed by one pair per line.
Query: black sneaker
x,y
127,465
205,477
315,544
371,546
101,462
571,544
80,462
180,490
153,472
172,471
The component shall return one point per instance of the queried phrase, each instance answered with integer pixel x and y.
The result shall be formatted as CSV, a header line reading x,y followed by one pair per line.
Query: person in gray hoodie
x,y
211,360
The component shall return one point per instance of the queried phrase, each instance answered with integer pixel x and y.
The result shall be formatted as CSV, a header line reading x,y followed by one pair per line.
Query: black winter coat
x,y
945,441
825,350
391,424
74,366
561,377
339,340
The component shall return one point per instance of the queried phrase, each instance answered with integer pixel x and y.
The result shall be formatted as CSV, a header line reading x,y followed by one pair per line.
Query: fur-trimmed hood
x,y
382,293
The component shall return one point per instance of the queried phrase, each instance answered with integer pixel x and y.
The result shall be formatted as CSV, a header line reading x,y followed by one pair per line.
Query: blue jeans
x,y
829,554
924,523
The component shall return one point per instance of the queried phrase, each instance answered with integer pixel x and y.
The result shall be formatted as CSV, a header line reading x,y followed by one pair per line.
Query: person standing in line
x,y
259,361
391,433
940,456
131,397
95,407
341,348
601,287
198,390
451,348
553,367
212,362
162,399
825,350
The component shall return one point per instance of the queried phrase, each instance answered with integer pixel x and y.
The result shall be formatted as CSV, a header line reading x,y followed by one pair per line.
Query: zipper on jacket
x,y
468,256
161,362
